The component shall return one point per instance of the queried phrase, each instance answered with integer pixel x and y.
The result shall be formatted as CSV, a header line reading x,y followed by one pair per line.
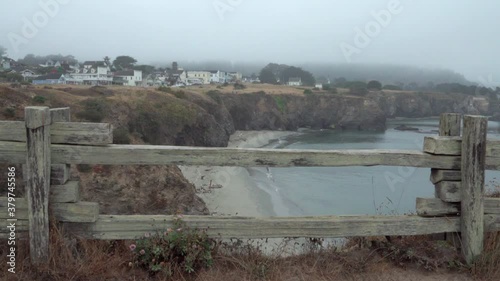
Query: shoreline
x,y
229,191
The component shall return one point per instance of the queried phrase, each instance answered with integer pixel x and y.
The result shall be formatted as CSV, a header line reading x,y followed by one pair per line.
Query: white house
x,y
128,77
294,81
203,76
234,76
91,73
319,86
28,74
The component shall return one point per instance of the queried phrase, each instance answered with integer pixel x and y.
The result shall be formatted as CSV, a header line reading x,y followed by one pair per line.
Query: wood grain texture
x,y
449,124
429,207
164,155
59,174
438,175
62,132
76,212
453,146
38,181
131,227
60,114
473,169
66,193
67,212
433,207
449,191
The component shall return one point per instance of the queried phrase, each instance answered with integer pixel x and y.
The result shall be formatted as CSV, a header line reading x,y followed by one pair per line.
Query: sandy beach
x,y
230,190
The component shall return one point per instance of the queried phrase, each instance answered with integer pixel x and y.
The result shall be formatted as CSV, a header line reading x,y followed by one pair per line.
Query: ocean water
x,y
354,190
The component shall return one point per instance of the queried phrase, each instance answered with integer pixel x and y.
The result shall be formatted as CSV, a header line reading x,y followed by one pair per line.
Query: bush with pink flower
x,y
177,247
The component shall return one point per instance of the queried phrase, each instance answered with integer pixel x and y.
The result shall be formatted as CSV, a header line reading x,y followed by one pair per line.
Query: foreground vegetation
x,y
184,254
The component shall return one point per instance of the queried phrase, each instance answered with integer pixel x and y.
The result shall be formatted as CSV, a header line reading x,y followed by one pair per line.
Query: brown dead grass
x,y
361,259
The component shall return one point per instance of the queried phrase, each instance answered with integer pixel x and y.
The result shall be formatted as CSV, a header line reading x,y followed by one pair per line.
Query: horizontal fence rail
x,y
130,227
459,206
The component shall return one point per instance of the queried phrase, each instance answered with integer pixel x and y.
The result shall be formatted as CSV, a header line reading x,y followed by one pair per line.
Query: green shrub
x,y
179,94
94,110
239,86
152,120
327,87
9,112
280,103
177,248
215,95
308,92
39,99
121,136
165,89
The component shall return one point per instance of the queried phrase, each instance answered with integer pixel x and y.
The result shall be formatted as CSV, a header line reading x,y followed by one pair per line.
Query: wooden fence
x,y
47,143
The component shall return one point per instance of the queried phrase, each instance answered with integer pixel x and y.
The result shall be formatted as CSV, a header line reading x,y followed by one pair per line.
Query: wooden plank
x,y
431,207
59,174
453,146
428,207
198,156
62,132
130,227
66,193
38,181
473,169
60,114
443,145
76,212
13,153
438,175
449,124
449,191
12,131
67,212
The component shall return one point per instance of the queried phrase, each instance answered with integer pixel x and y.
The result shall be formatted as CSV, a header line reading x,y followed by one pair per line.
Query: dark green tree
x,y
124,62
374,85
267,76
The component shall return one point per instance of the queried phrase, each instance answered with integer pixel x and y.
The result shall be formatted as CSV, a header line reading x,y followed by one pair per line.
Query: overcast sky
x,y
456,34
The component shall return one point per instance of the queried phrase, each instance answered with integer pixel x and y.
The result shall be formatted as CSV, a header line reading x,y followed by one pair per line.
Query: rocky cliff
x,y
418,104
259,111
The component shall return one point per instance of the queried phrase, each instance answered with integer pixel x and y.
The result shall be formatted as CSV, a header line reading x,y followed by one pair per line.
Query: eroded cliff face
x,y
289,112
414,105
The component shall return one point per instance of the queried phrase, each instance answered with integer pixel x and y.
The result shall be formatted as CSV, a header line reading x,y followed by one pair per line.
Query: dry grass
x,y
404,258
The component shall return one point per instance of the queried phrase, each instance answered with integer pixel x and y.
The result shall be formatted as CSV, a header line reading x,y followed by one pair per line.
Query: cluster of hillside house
x,y
87,73
177,76
102,73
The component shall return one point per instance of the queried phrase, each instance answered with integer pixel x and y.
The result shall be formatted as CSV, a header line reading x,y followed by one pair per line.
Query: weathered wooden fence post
x,y
472,204
450,126
38,121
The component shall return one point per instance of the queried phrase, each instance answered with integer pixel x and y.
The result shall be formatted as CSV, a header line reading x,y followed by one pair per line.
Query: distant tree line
x,y
281,73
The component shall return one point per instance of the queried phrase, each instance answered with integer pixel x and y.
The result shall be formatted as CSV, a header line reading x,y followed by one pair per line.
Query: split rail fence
x,y
47,143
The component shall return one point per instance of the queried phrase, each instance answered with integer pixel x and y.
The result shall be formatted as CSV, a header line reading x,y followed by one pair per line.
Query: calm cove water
x,y
354,190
